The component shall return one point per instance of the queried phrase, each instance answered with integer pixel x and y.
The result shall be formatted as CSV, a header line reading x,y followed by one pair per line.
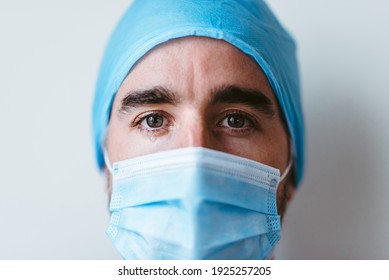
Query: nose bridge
x,y
194,132
197,134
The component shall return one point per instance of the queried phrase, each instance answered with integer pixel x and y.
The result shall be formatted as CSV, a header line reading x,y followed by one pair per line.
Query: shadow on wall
x,y
336,211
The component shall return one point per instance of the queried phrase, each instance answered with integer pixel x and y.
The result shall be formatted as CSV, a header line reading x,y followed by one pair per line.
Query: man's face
x,y
199,92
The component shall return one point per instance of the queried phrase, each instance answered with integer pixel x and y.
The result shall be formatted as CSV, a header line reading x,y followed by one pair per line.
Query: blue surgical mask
x,y
194,203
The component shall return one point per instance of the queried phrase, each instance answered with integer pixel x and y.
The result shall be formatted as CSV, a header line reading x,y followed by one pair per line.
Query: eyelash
x,y
142,117
252,123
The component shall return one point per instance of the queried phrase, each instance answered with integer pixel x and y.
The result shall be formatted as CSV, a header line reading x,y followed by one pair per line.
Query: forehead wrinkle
x,y
190,64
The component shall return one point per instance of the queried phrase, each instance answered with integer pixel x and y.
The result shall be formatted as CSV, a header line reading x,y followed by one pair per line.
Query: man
x,y
197,117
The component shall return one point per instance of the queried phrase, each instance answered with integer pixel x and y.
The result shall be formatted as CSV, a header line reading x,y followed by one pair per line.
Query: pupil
x,y
235,121
154,121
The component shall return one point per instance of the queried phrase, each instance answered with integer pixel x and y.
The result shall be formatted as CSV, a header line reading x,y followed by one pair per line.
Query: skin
x,y
193,69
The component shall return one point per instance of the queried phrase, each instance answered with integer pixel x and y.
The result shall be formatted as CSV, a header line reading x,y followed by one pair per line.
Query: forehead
x,y
193,65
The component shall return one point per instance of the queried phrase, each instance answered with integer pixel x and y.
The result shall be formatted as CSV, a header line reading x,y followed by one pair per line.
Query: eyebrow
x,y
230,94
155,95
251,97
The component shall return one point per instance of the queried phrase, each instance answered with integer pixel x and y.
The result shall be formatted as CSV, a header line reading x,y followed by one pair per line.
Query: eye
x,y
237,122
157,122
153,121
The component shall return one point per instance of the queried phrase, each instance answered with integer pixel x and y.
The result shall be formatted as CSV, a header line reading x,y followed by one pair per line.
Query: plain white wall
x,y
53,203
340,211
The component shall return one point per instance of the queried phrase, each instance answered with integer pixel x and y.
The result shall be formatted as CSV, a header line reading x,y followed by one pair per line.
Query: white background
x,y
52,201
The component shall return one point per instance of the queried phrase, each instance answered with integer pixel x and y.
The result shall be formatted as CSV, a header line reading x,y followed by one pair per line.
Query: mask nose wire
x,y
283,176
106,160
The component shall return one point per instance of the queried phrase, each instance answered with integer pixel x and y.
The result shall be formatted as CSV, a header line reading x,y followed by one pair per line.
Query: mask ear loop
x,y
290,163
106,160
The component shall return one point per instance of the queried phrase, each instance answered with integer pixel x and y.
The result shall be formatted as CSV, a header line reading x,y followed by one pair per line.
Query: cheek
x,y
124,142
267,148
259,152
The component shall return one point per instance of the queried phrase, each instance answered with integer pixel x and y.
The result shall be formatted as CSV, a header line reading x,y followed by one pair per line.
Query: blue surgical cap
x,y
249,25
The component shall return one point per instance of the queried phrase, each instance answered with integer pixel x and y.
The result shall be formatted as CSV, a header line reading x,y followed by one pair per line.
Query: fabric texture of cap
x,y
249,25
